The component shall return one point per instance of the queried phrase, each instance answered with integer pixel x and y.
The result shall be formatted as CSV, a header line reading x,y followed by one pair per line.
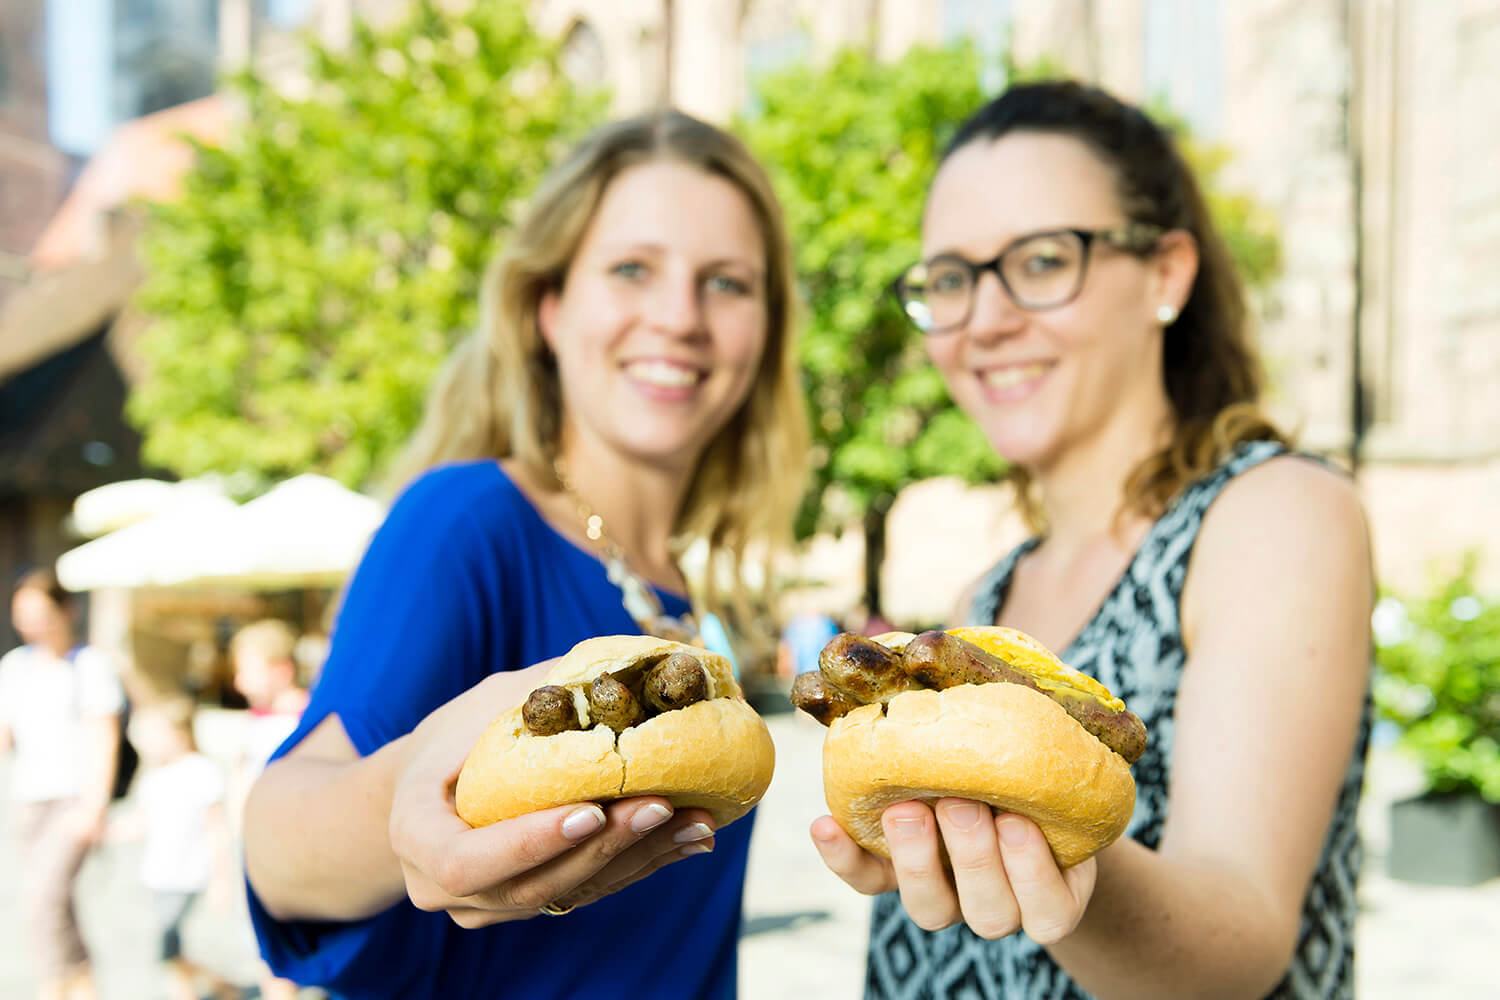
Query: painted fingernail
x,y
583,822
692,849
966,815
909,828
649,817
1013,832
689,834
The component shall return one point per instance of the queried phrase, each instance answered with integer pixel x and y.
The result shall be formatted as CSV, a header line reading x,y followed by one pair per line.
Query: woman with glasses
x,y
632,384
1082,309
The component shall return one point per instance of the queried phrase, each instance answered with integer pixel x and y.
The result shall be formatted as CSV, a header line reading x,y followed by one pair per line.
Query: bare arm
x,y
1276,615
316,844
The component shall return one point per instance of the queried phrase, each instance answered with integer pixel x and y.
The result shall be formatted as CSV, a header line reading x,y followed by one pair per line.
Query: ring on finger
x,y
553,910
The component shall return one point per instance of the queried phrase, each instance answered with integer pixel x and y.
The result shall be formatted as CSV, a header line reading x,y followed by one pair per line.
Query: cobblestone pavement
x,y
804,930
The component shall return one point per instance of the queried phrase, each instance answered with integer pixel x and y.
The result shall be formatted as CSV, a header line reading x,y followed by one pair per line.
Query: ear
x,y
546,317
1173,268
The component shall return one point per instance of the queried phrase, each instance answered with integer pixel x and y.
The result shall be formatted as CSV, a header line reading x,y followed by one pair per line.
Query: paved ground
x,y
804,931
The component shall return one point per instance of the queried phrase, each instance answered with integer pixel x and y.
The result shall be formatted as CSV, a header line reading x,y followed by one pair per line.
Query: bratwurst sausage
x,y
940,660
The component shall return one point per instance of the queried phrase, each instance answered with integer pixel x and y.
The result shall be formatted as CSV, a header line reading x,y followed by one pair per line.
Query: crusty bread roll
x,y
1000,743
715,754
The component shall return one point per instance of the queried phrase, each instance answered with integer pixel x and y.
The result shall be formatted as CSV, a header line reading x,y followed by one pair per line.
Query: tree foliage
x,y
317,269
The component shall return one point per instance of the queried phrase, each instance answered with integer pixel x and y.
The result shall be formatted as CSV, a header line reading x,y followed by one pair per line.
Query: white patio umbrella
x,y
158,551
306,532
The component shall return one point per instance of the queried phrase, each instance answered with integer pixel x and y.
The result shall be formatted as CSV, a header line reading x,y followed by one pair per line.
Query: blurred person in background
x,y
1082,309
263,656
632,385
178,811
60,706
802,639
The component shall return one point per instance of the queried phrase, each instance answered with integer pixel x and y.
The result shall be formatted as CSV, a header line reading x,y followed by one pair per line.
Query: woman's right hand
x,y
567,856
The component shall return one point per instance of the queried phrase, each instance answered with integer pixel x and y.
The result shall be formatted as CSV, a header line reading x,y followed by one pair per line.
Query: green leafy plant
x,y
1439,680
316,270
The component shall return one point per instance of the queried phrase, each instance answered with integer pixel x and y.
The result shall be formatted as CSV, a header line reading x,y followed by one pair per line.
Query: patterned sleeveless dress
x,y
1133,644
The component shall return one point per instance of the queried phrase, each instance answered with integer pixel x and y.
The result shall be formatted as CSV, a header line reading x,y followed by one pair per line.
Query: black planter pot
x,y
1444,839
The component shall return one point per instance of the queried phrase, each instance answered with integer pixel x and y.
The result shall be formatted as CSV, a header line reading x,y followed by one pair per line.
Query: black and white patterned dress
x,y
1133,644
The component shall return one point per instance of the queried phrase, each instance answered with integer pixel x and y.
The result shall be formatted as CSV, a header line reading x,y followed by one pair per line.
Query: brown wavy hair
x,y
1212,375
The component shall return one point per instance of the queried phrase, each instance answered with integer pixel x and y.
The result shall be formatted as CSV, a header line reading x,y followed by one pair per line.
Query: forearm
x,y
316,840
103,736
1158,926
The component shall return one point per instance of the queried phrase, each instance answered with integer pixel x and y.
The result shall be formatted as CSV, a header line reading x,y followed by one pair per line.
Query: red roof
x,y
144,158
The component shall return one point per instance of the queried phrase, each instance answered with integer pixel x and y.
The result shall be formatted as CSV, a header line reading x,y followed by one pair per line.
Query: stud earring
x,y
1166,315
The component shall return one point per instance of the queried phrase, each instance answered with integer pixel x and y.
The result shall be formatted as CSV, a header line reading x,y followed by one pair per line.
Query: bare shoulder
x,y
1278,531
1285,500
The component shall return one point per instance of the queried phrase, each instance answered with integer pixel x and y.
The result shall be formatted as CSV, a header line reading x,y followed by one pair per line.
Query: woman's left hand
x,y
1002,878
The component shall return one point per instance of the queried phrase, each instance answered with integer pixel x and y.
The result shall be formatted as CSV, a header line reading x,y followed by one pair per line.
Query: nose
x,y
676,307
994,313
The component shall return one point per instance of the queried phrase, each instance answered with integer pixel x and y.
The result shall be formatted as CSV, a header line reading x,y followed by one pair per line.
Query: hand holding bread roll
x,y
622,716
981,713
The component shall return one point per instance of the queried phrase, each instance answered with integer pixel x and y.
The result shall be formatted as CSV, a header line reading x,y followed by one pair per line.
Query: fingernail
x,y
692,849
689,834
649,817
584,822
908,828
1013,832
966,815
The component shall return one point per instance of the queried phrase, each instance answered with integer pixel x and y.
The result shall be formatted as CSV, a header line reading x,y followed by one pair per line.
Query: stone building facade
x,y
33,174
1366,127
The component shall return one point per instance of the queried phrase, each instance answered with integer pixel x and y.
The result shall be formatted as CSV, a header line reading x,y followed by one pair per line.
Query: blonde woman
x,y
632,384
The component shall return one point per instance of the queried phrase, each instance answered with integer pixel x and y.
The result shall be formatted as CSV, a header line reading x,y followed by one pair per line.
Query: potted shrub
x,y
1438,679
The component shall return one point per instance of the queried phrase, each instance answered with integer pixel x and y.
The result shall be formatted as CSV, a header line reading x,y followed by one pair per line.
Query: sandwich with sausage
x,y
622,716
983,713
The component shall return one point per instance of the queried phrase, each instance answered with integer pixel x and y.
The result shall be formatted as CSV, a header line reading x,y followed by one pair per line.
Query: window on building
x,y
1184,60
283,14
985,23
768,54
583,56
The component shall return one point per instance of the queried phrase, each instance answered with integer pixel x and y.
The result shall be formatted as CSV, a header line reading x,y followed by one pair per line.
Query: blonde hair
x,y
498,394
270,638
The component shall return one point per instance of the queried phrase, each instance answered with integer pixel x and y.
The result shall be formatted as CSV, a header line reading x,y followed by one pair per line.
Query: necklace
x,y
636,595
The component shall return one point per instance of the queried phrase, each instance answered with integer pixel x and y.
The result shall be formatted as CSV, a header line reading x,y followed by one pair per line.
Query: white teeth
x,y
662,373
1005,378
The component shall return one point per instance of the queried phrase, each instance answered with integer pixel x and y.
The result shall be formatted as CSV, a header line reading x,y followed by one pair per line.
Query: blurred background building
x,y
1365,126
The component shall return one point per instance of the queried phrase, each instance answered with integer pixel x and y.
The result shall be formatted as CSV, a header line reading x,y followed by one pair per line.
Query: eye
x,y
1042,262
630,270
724,284
946,277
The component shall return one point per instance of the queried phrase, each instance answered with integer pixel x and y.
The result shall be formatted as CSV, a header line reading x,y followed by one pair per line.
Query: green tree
x,y
852,164
316,270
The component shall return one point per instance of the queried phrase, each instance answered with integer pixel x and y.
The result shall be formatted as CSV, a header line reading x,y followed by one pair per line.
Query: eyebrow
x,y
612,249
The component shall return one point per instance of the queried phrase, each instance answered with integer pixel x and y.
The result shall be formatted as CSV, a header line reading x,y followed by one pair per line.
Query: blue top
x,y
464,579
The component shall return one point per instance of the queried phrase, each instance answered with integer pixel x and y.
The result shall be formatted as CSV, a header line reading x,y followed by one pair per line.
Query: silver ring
x,y
553,910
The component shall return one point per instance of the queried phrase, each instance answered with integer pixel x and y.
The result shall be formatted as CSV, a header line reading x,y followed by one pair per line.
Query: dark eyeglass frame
x,y
1138,238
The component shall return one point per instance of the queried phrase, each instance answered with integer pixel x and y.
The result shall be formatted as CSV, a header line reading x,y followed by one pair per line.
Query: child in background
x,y
265,672
180,814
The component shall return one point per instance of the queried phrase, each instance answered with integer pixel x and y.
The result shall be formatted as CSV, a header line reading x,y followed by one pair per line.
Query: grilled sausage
x,y
939,660
612,703
863,669
812,693
676,682
549,711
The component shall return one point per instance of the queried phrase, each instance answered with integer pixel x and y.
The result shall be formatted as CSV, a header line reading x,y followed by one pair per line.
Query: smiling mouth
x,y
664,374
1009,378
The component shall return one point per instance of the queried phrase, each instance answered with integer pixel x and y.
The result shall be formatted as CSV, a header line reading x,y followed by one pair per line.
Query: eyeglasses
x,y
1038,271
